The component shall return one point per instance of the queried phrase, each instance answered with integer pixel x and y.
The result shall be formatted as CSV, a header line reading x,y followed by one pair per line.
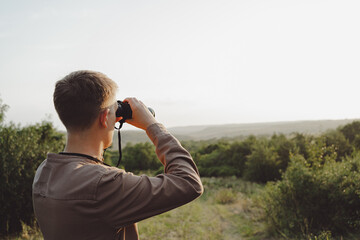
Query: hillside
x,y
207,132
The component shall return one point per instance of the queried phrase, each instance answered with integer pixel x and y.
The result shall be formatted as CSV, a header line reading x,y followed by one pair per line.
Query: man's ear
x,y
104,118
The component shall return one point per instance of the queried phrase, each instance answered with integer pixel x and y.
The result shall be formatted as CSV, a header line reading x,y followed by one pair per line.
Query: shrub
x,y
217,171
263,164
283,147
312,198
140,156
225,196
337,140
21,152
224,159
351,130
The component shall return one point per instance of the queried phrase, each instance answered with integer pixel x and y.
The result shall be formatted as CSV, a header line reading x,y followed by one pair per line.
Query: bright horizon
x,y
195,62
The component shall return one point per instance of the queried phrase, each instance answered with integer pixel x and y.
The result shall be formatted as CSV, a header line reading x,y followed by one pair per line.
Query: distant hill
x,y
208,132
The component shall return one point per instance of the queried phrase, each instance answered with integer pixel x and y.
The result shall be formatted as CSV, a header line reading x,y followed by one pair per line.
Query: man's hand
x,y
141,116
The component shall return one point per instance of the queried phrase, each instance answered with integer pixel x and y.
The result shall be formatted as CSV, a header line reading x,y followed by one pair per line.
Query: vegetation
x,y
22,149
315,196
230,208
313,182
279,187
138,157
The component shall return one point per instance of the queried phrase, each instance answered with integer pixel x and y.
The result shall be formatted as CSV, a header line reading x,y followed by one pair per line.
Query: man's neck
x,y
84,143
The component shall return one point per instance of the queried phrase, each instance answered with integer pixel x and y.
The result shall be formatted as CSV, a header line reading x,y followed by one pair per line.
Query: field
x,y
227,210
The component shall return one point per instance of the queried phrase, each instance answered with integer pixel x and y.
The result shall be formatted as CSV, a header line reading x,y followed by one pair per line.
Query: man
x,y
76,196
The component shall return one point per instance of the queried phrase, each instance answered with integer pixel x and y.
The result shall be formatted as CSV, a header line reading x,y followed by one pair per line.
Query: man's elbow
x,y
198,190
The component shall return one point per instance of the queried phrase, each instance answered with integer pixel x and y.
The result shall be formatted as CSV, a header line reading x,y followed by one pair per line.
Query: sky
x,y
196,62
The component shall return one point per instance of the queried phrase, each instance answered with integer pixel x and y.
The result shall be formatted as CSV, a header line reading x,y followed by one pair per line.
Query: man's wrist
x,y
148,124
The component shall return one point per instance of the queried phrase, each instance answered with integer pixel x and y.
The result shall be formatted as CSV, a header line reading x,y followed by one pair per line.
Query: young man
x,y
76,196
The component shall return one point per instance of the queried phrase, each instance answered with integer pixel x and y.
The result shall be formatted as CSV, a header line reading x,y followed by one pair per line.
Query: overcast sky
x,y
195,62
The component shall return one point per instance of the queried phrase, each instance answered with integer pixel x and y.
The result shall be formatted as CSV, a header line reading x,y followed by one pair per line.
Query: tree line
x,y
258,159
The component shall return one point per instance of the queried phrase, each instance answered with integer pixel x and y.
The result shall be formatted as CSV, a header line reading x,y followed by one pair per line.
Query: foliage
x,y
263,163
302,142
3,109
223,158
140,156
337,140
111,157
318,179
351,130
264,159
21,152
312,198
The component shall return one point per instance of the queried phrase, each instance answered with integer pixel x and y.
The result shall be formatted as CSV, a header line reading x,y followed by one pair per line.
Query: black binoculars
x,y
124,110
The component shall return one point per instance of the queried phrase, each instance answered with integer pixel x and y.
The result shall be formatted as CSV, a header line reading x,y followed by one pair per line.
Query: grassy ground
x,y
226,210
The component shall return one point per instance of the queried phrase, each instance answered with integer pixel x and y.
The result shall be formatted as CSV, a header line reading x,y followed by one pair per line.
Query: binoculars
x,y
124,110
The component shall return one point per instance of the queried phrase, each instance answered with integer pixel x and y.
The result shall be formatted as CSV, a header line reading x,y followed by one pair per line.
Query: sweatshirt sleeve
x,y
124,198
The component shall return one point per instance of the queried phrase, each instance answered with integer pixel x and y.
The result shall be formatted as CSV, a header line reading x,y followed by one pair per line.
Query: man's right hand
x,y
141,116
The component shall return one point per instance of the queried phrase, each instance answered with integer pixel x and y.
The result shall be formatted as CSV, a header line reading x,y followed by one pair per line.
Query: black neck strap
x,y
119,141
83,155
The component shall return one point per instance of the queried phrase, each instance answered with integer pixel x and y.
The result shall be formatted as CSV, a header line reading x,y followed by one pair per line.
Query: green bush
x,y
351,130
301,142
313,198
217,171
140,156
3,109
263,164
337,140
224,158
283,147
21,152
